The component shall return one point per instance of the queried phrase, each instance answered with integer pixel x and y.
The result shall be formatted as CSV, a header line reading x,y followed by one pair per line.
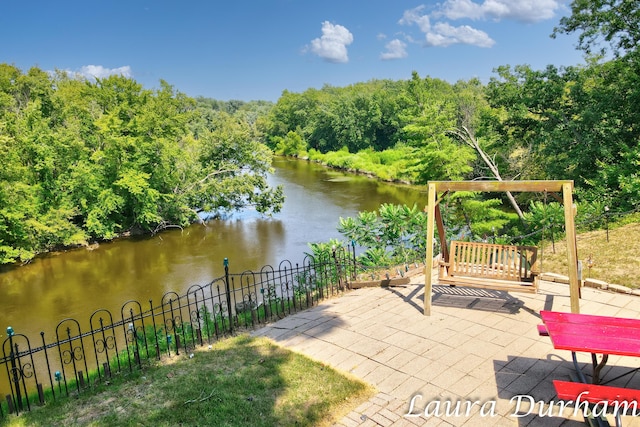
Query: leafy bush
x,y
395,234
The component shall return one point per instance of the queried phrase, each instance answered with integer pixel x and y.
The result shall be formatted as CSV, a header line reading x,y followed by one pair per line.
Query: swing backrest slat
x,y
493,261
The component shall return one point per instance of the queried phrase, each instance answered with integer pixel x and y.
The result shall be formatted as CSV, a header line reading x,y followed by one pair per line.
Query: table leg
x,y
597,367
618,419
577,367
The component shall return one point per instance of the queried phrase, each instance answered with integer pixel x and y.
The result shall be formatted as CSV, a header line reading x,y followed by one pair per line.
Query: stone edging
x,y
591,283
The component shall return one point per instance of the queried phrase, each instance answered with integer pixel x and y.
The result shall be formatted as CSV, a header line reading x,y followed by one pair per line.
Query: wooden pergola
x,y
434,216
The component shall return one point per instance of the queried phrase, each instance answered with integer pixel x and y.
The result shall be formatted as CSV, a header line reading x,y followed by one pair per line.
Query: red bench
x,y
614,397
543,331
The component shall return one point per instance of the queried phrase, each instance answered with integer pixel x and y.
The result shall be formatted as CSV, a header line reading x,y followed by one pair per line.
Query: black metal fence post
x,y
228,290
337,266
46,357
155,330
14,377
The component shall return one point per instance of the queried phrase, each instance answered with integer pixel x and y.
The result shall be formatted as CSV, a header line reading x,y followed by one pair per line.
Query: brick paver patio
x,y
478,350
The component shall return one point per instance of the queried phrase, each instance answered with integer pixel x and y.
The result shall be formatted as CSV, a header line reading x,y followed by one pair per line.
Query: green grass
x,y
388,165
615,260
240,381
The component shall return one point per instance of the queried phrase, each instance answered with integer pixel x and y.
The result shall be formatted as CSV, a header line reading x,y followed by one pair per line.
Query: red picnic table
x,y
588,333
597,335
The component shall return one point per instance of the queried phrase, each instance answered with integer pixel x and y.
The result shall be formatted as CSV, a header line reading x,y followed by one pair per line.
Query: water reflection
x,y
37,296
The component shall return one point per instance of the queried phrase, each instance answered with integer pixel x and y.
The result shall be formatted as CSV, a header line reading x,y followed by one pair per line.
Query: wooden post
x,y
428,262
572,250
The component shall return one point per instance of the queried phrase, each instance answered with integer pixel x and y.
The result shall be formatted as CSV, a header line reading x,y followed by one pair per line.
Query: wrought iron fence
x,y
48,368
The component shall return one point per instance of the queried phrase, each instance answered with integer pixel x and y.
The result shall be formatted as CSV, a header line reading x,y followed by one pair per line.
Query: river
x,y
75,283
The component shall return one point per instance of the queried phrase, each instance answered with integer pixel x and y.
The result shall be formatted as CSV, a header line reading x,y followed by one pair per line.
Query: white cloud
x,y
444,35
395,49
413,16
98,71
460,9
517,10
332,46
410,39
439,32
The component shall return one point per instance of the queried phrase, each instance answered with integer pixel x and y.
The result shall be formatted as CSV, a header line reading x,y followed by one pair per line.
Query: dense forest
x,y
85,160
579,123
91,160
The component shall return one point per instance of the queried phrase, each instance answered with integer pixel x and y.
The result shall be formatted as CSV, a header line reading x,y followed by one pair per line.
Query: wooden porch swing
x,y
490,266
494,266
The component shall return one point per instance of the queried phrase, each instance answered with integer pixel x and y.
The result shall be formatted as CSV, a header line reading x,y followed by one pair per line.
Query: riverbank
x,y
358,163
37,296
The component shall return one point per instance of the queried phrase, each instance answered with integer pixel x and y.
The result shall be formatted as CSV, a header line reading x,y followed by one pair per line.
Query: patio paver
x,y
477,346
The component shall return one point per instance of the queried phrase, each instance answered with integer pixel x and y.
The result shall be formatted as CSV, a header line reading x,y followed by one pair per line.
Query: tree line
x,y
92,160
577,122
87,160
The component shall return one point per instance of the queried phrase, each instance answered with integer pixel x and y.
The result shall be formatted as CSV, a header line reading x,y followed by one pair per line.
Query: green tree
x,y
616,22
87,160
572,119
432,112
290,145
232,171
469,216
546,218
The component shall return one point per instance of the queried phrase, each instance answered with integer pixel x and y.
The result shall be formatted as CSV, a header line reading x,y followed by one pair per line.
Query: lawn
x,y
240,381
613,255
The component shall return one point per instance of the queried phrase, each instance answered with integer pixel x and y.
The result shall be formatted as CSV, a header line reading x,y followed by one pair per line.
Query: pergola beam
x,y
501,186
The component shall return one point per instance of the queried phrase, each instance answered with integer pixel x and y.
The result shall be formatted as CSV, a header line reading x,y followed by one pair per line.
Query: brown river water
x,y
36,296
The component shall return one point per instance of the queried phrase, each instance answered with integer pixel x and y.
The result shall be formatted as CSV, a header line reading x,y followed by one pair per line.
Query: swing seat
x,y
491,266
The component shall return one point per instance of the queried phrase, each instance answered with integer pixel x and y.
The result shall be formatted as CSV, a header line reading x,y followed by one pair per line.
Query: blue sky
x,y
255,49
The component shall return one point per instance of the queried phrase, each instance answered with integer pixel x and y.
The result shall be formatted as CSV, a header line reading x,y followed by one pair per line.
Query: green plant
x,y
394,234
375,257
548,218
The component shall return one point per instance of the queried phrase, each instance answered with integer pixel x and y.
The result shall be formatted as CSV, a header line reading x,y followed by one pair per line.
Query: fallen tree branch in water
x,y
163,226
